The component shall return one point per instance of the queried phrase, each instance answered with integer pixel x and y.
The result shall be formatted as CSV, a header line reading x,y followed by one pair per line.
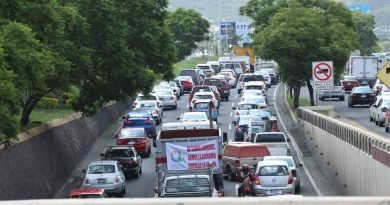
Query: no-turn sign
x,y
323,75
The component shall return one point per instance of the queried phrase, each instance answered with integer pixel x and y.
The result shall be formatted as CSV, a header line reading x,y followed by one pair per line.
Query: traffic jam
x,y
194,156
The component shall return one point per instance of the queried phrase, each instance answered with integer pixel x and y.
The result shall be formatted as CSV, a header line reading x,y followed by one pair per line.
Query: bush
x,y
48,103
69,103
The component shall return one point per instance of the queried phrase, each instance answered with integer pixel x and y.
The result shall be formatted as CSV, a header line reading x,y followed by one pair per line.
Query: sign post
x,y
384,74
322,76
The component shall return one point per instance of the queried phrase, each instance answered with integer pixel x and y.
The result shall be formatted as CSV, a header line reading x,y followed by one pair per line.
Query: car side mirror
x,y
156,190
84,171
116,135
234,108
294,172
288,140
254,167
234,123
102,154
124,117
154,117
160,106
178,118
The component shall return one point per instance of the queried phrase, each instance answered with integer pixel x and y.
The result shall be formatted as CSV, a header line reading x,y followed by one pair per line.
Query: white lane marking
x,y
230,126
236,188
233,104
231,114
295,145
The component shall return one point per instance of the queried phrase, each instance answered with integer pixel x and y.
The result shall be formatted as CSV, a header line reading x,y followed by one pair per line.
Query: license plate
x,y
101,181
363,96
131,143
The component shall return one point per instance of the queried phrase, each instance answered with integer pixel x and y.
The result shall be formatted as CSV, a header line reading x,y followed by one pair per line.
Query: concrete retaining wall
x,y
37,167
345,154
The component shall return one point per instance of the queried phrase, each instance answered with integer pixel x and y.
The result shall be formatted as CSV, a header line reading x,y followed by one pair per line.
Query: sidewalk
x,y
324,188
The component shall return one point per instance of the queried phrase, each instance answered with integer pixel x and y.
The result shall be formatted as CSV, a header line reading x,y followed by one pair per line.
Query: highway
x,y
358,114
143,186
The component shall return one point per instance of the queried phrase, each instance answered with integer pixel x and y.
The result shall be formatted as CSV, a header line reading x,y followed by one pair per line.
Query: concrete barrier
x,y
354,160
279,200
38,166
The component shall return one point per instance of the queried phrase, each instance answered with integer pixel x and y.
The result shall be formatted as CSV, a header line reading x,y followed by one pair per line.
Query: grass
x,y
185,64
302,103
40,116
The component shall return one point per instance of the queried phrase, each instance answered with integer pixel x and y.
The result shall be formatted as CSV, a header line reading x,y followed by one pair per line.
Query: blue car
x,y
203,106
141,118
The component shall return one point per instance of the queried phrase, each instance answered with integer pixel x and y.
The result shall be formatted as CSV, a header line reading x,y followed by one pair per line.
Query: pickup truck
x,y
236,154
189,183
222,85
277,142
190,147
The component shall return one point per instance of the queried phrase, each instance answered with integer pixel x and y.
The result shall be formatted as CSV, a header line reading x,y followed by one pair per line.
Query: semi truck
x,y
190,147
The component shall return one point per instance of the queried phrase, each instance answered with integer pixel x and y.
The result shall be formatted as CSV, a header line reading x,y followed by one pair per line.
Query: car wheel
x,y
386,129
381,124
321,99
376,122
175,107
140,169
123,192
137,174
341,98
298,188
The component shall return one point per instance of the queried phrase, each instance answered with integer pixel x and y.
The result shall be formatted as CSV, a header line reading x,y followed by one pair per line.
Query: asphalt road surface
x,y
143,186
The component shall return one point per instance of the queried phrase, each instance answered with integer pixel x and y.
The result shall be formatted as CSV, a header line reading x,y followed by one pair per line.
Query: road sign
x,y
323,75
384,74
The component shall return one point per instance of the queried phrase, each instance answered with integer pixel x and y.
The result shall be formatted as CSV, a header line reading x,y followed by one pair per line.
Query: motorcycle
x,y
246,187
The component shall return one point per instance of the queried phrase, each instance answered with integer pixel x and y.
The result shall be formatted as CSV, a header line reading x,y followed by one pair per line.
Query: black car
x,y
361,96
127,157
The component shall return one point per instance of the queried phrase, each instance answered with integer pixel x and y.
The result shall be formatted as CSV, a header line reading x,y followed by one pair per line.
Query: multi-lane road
x,y
143,186
358,114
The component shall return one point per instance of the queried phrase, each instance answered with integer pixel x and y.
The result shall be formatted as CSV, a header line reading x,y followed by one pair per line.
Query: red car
x,y
137,137
88,193
387,120
349,82
187,82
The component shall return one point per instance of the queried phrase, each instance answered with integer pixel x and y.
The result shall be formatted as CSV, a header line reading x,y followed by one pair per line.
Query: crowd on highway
x,y
257,158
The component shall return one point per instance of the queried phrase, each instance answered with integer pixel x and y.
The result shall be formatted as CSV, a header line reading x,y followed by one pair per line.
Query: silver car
x,y
167,97
275,178
106,175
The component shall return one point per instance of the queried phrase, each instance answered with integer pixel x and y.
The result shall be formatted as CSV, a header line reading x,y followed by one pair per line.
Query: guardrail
x,y
278,200
369,143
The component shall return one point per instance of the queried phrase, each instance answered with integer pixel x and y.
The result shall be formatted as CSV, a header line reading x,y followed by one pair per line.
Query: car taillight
x,y
87,181
117,179
237,163
372,95
220,194
148,121
121,142
290,178
127,122
172,98
237,113
257,180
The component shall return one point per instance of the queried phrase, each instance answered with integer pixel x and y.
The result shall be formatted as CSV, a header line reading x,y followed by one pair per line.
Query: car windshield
x,y
350,78
187,185
101,169
119,153
244,120
362,90
216,83
132,133
256,121
215,67
288,160
271,137
203,97
257,129
247,107
252,92
137,115
186,78
253,87
273,171
260,113
201,89
194,117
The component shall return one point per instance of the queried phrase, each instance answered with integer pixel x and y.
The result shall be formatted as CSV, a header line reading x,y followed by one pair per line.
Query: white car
x,y
150,96
167,97
165,85
214,65
193,117
266,76
378,110
231,79
206,68
105,174
258,99
274,178
292,165
243,108
204,96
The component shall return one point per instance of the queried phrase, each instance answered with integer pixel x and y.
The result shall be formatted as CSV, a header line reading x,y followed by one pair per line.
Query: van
x,y
236,154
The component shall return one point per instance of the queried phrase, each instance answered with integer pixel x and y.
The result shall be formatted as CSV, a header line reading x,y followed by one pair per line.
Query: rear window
x,y
206,68
272,137
248,78
350,78
188,72
101,169
187,185
119,153
202,105
217,83
253,87
203,97
131,133
252,151
201,89
273,171
146,97
247,107
362,90
137,115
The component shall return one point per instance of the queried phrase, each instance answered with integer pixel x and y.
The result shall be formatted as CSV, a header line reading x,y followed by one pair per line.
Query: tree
x,y
365,25
8,103
288,32
58,57
130,44
188,27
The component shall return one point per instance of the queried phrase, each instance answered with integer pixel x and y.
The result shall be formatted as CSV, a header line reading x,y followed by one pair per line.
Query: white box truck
x,y
364,68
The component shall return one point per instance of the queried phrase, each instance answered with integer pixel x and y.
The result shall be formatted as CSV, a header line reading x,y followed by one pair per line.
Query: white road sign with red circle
x,y
323,75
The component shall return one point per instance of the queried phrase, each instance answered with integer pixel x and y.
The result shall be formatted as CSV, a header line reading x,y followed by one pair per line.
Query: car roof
x,y
109,162
272,162
86,191
204,93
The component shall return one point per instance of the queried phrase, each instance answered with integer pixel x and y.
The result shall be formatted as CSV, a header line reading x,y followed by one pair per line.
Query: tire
x,y
122,194
377,123
386,129
140,169
230,176
175,107
227,98
321,99
370,117
298,188
342,98
136,175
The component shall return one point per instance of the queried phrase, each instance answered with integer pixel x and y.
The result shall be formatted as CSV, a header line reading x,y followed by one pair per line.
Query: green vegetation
x,y
39,116
384,45
185,64
302,103
295,33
